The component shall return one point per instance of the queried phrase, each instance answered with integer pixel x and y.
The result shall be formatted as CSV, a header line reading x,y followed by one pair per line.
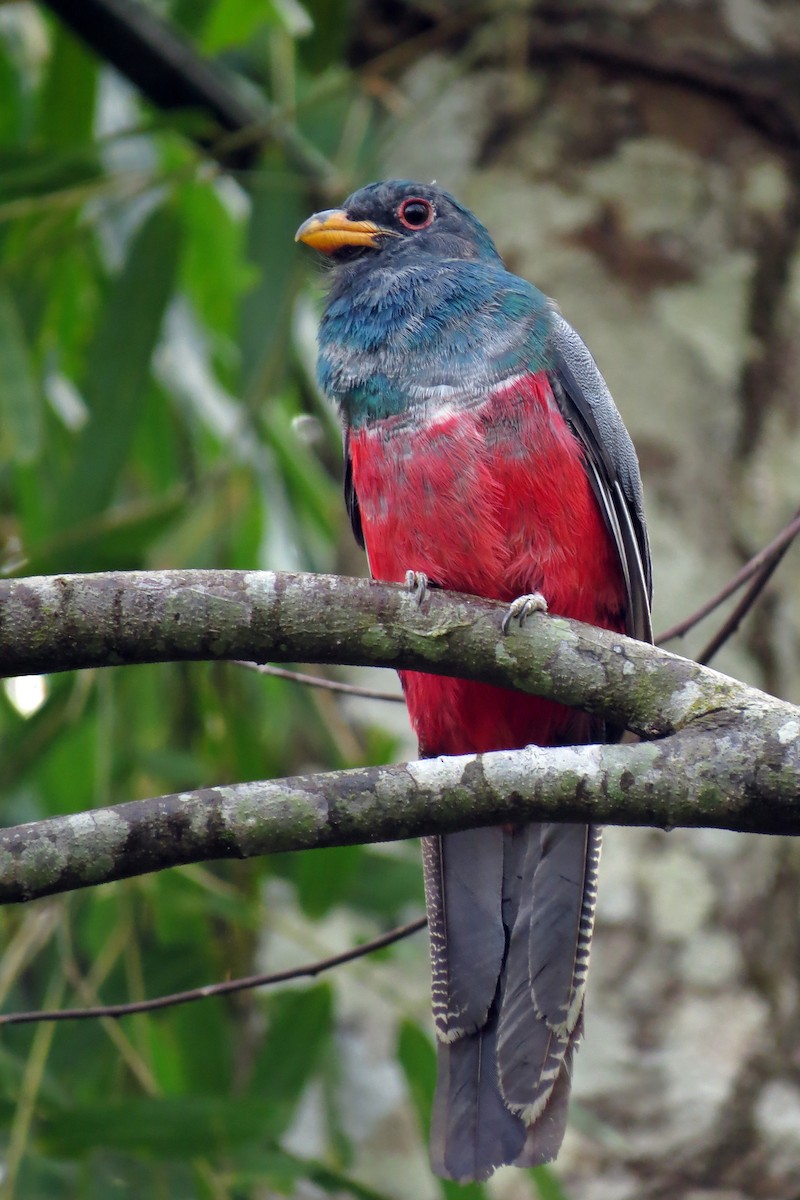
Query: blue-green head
x,y
420,305
390,221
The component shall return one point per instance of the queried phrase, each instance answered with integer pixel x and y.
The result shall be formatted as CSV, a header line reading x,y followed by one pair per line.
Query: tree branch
x,y
760,86
729,756
742,774
63,622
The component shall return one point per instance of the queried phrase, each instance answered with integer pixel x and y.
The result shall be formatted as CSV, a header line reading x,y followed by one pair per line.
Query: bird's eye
x,y
415,213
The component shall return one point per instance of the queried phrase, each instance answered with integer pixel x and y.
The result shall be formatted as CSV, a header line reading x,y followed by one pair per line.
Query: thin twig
x,y
747,601
216,989
773,552
328,685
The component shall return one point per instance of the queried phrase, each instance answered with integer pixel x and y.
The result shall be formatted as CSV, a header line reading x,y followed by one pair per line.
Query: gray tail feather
x,y
547,1133
472,1131
507,1008
545,969
463,887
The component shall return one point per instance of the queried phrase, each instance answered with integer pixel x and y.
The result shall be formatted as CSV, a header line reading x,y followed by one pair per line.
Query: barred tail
x,y
511,914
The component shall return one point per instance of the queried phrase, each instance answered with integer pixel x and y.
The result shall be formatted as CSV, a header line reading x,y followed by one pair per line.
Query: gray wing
x,y
611,461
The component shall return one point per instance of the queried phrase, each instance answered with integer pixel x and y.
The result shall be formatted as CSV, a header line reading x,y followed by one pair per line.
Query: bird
x,y
483,453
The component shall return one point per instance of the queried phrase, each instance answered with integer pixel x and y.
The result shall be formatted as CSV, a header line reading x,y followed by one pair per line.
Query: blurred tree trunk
x,y
640,162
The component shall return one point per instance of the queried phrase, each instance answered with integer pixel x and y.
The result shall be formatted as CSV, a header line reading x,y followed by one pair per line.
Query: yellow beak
x,y
328,231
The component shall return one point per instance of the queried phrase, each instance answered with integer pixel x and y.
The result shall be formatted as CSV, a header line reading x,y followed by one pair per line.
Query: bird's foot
x,y
522,608
417,584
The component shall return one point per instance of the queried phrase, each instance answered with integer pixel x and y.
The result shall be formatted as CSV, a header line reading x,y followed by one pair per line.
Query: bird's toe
x,y
522,608
417,584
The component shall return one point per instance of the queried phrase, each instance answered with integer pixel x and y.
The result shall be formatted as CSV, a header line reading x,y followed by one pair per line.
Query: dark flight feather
x,y
350,497
586,404
472,1131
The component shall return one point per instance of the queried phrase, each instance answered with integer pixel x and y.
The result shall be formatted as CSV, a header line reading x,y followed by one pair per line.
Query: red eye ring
x,y
419,219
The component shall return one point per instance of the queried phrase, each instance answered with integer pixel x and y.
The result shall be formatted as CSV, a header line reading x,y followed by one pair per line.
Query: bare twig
x,y
327,685
741,610
226,988
768,557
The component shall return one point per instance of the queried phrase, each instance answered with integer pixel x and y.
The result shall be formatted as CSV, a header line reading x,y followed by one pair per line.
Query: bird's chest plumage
x,y
465,469
490,498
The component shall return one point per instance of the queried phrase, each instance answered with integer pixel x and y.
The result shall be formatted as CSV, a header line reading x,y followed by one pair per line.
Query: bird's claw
x,y
417,584
522,608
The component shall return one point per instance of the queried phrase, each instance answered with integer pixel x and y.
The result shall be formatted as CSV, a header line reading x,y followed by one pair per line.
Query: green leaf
x,y
311,488
387,885
11,89
377,884
119,364
547,1185
323,877
332,27
284,1171
29,174
115,540
159,1127
191,15
235,21
213,271
337,1182
20,400
174,1043
279,207
115,1176
300,1026
68,96
418,1059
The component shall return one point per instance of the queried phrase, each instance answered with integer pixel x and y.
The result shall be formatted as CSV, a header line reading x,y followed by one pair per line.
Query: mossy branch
x,y
64,622
727,755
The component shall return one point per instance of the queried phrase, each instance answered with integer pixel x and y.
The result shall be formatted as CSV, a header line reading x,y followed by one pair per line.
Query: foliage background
x,y
158,408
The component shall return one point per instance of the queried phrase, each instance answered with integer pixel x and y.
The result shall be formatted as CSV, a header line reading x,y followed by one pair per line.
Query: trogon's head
x,y
386,222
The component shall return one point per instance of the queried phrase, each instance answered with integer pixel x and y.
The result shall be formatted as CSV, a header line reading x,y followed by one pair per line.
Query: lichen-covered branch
x,y
736,774
726,755
57,623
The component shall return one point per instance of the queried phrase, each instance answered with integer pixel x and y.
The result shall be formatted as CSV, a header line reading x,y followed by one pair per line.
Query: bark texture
x,y
727,755
723,772
63,622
